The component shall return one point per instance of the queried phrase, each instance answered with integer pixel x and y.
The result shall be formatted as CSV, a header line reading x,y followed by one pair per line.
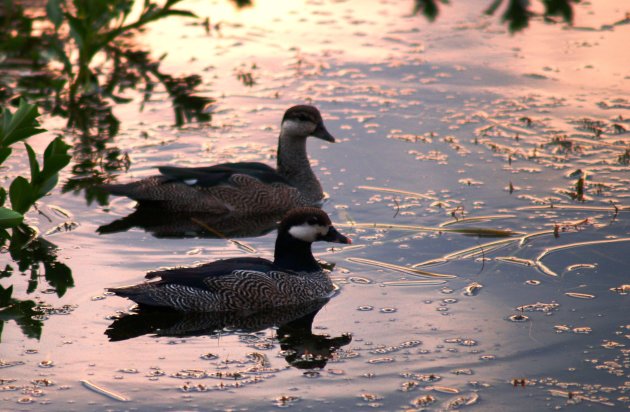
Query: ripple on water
x,y
518,318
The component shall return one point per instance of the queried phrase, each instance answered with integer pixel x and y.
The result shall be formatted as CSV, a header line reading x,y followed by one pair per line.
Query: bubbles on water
x,y
609,344
472,289
463,400
446,290
46,364
518,318
410,344
365,308
155,372
532,282
209,356
444,389
370,397
42,382
360,280
284,401
622,289
430,378
388,310
582,330
572,268
423,401
461,341
539,307
197,387
381,360
409,386
580,295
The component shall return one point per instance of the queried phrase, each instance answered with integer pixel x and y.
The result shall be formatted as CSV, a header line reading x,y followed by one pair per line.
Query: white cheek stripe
x,y
291,126
308,233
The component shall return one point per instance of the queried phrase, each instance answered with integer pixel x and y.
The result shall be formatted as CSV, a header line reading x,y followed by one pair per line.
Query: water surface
x,y
436,124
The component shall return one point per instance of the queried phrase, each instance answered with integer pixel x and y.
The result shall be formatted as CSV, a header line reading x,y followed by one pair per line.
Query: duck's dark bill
x,y
321,133
335,237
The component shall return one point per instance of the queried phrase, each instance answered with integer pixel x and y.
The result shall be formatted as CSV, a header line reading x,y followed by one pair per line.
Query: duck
x,y
243,188
248,284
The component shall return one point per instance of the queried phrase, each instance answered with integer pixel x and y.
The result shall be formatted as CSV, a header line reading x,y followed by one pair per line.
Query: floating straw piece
x,y
414,282
479,249
465,231
515,260
410,271
476,219
551,250
613,209
105,392
402,192
525,238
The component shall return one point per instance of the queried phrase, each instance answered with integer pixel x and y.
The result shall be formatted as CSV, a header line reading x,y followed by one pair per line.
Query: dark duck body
x,y
249,284
243,188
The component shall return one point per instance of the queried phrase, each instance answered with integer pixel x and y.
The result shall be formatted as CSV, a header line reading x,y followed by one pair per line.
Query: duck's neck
x,y
294,254
294,166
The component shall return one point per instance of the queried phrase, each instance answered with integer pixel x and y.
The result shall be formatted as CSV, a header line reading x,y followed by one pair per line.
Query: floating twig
x,y
475,219
105,392
402,192
404,269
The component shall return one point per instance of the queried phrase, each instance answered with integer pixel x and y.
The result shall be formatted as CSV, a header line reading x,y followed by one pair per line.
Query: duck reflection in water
x,y
166,224
302,349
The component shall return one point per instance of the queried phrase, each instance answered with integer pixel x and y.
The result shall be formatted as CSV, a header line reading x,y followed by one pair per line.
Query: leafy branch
x,y
15,127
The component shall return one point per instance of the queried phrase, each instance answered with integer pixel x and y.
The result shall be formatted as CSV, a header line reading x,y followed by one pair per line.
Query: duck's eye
x,y
312,221
302,118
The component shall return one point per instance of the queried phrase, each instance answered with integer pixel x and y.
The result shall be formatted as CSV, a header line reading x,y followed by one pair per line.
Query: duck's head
x,y
309,224
303,121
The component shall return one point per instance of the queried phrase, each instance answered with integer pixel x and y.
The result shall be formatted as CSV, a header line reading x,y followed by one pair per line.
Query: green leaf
x,y
21,195
19,126
56,157
46,186
54,12
4,154
10,218
76,30
32,161
3,196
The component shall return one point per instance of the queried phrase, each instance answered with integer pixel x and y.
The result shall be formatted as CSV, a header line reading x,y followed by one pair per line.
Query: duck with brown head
x,y
244,188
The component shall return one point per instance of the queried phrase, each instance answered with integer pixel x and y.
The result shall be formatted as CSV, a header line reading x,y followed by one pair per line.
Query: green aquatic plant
x,y
23,193
92,26
86,61
30,253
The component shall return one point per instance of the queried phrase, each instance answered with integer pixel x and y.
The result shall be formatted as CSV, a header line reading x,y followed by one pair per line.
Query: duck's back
x,y
243,284
244,188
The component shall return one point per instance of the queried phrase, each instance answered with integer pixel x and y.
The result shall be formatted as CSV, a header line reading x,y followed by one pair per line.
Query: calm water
x,y
435,123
